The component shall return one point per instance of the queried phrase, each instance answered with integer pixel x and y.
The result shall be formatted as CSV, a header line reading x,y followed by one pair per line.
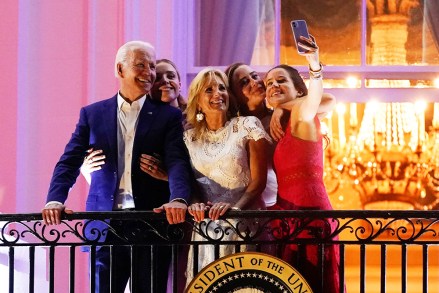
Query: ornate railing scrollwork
x,y
134,227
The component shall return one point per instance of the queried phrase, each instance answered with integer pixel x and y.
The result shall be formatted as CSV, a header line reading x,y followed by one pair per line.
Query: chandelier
x,y
388,161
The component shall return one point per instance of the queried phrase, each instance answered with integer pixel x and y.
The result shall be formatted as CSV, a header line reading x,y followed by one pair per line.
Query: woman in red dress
x,y
298,162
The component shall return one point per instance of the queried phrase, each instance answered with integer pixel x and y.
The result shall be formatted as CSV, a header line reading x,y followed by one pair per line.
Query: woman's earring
x,y
200,116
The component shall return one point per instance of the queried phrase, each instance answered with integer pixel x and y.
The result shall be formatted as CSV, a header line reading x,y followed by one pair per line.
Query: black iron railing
x,y
357,235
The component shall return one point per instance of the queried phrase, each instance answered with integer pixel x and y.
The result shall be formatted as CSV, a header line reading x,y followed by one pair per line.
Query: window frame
x,y
362,72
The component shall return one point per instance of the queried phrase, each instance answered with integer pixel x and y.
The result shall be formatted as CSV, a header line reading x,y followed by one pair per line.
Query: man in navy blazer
x,y
124,127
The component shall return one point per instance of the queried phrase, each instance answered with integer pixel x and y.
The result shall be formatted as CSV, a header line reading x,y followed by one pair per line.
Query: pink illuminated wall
x,y
57,56
8,108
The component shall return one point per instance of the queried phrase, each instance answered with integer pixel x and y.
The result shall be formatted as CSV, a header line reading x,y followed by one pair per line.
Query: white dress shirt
x,y
128,117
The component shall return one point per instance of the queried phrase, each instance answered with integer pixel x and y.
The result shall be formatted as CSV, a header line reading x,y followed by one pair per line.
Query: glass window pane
x,y
401,34
336,25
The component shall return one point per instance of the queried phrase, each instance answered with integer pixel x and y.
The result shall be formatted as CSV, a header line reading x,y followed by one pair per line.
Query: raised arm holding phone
x,y
298,159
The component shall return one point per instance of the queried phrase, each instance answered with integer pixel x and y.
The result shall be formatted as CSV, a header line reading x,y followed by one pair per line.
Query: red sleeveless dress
x,y
299,168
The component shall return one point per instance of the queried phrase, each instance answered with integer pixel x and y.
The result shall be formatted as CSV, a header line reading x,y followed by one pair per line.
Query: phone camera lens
x,y
294,24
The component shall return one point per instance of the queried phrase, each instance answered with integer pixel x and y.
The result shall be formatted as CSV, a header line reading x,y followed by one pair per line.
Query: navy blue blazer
x,y
159,131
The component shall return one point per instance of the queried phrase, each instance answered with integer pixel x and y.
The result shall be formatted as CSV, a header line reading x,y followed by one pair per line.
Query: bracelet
x,y
316,74
316,71
235,209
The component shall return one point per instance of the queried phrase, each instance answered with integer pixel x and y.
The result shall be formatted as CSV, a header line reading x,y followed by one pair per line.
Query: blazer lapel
x,y
110,121
146,117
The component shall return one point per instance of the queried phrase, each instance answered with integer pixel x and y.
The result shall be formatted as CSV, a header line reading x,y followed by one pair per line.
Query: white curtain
x,y
227,31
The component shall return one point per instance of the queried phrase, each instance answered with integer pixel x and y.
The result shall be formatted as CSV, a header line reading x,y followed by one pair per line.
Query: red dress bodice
x,y
299,168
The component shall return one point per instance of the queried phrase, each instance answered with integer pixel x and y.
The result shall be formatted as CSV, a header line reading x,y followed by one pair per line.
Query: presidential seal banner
x,y
249,272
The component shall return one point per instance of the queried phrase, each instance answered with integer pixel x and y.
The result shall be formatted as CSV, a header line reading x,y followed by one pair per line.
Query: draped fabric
x,y
432,16
228,31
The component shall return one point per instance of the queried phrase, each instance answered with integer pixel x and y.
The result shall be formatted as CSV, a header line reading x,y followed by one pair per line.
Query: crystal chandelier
x,y
391,159
388,161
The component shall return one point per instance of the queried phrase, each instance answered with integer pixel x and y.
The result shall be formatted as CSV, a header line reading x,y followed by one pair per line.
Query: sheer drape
x,y
229,31
432,16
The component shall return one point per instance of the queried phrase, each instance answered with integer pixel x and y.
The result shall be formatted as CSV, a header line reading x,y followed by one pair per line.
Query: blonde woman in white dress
x,y
228,157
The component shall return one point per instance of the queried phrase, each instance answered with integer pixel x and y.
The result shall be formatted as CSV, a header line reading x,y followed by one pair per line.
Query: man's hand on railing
x,y
52,213
175,211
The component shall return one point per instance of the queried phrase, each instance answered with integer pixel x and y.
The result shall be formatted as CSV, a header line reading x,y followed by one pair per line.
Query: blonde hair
x,y
201,81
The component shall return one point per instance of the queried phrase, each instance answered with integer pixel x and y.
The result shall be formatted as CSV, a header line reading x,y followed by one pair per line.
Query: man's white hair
x,y
122,53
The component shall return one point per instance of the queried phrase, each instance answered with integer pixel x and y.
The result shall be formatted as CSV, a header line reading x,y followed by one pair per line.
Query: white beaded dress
x,y
220,163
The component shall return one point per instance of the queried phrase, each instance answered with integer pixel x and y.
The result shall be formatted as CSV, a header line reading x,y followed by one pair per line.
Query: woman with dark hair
x,y
248,94
298,161
167,85
167,89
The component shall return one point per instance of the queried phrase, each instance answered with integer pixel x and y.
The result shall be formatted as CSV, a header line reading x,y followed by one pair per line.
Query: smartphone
x,y
299,28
